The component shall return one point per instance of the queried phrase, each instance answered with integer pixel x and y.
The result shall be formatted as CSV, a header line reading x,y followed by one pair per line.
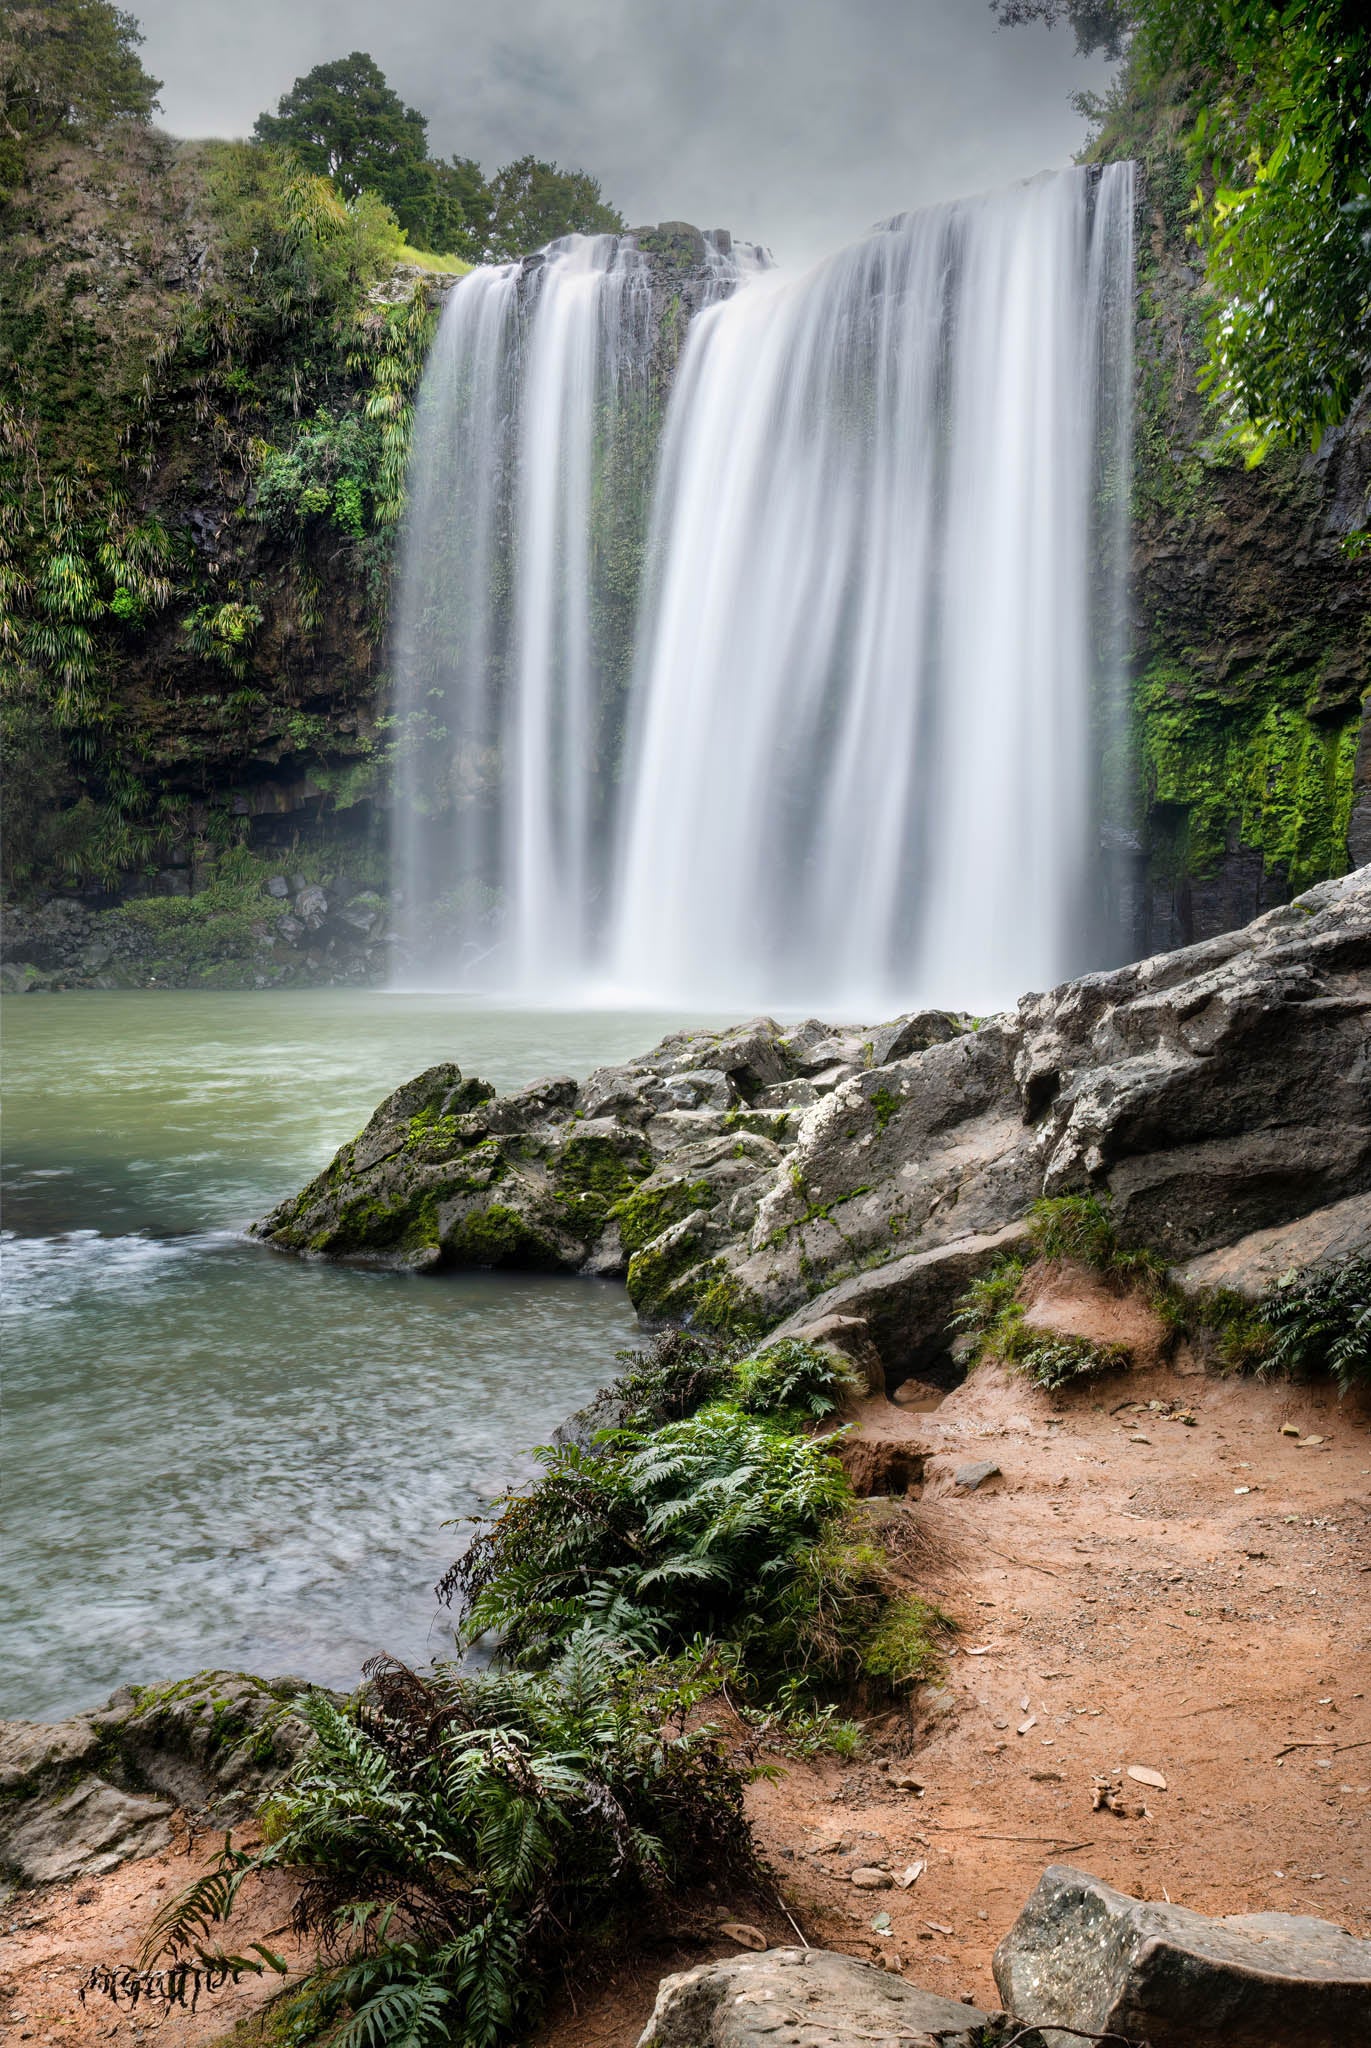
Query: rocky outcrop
x,y
804,1993
83,1795
281,933
1088,1957
765,1176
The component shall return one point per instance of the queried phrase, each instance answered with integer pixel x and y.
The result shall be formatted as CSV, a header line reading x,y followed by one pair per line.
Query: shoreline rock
x,y
767,1176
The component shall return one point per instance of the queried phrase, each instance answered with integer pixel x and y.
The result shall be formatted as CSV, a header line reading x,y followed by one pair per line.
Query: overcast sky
x,y
794,122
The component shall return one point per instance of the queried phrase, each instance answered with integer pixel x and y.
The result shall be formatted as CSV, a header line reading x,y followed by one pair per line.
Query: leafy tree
x,y
343,121
1281,156
67,63
535,202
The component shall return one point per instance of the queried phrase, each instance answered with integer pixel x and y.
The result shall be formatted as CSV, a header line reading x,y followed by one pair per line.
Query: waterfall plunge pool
x,y
216,1455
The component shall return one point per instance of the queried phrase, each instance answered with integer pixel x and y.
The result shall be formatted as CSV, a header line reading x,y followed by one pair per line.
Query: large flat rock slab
x,y
1342,1230
1086,1956
804,1995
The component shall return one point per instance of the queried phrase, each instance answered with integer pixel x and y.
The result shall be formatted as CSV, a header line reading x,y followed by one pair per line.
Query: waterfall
x,y
875,670
499,687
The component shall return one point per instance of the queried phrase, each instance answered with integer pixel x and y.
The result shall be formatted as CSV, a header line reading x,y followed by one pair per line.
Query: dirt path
x,y
1192,1597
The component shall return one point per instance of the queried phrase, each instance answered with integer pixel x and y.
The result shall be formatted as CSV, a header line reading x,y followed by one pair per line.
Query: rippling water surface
x,y
214,1454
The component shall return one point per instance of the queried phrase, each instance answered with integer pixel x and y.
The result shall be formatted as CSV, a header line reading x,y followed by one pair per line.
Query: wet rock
x,y
1086,1956
834,1999
279,887
1256,1262
311,906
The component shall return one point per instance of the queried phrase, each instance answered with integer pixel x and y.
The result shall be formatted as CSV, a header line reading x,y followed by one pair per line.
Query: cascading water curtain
x,y
881,642
500,694
875,674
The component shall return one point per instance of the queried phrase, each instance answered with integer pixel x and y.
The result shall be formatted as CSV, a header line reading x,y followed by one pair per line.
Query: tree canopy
x,y
535,202
67,63
1280,152
344,121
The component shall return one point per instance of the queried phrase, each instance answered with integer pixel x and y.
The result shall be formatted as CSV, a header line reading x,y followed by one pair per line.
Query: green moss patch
x,y
1255,767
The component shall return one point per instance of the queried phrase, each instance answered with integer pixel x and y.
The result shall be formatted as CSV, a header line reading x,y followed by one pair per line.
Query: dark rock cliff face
x,y
1251,626
764,1176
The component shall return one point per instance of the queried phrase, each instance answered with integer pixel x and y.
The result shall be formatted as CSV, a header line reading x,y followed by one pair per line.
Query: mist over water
x,y
857,758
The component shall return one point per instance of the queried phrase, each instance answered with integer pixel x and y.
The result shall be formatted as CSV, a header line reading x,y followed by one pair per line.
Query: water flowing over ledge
x,y
829,727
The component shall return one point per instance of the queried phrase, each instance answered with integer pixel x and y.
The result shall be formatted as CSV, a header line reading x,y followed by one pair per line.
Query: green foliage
x,y
792,1379
1075,1227
67,64
461,1840
704,1527
1279,155
1081,1227
534,202
678,1372
328,472
1320,1322
343,121
681,1370
1255,762
223,633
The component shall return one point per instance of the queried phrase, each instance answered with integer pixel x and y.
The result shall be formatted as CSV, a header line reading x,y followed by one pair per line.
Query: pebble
x,y
868,1879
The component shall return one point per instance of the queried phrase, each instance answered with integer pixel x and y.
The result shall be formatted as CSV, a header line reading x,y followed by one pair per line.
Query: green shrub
x,y
702,1528
461,1839
1320,1321
677,1373
792,1378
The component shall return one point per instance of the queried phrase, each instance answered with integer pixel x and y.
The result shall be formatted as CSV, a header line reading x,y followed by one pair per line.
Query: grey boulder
x,y
86,1833
826,2000
1085,1956
82,1795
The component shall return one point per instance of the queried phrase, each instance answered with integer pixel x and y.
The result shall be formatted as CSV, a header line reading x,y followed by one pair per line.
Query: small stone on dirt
x,y
972,1476
744,1933
911,1875
868,1879
1031,1722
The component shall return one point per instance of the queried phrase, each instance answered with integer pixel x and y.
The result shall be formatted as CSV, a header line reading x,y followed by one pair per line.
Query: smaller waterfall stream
x,y
842,745
531,462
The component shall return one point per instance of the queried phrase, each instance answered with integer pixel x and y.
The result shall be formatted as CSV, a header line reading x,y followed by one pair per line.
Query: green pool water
x,y
215,1454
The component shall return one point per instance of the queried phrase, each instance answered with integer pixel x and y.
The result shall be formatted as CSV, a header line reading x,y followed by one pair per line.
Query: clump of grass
x,y
1082,1227
990,1310
1054,1362
906,1647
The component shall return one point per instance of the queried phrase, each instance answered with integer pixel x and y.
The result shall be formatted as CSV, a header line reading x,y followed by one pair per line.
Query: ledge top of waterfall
x,y
764,647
